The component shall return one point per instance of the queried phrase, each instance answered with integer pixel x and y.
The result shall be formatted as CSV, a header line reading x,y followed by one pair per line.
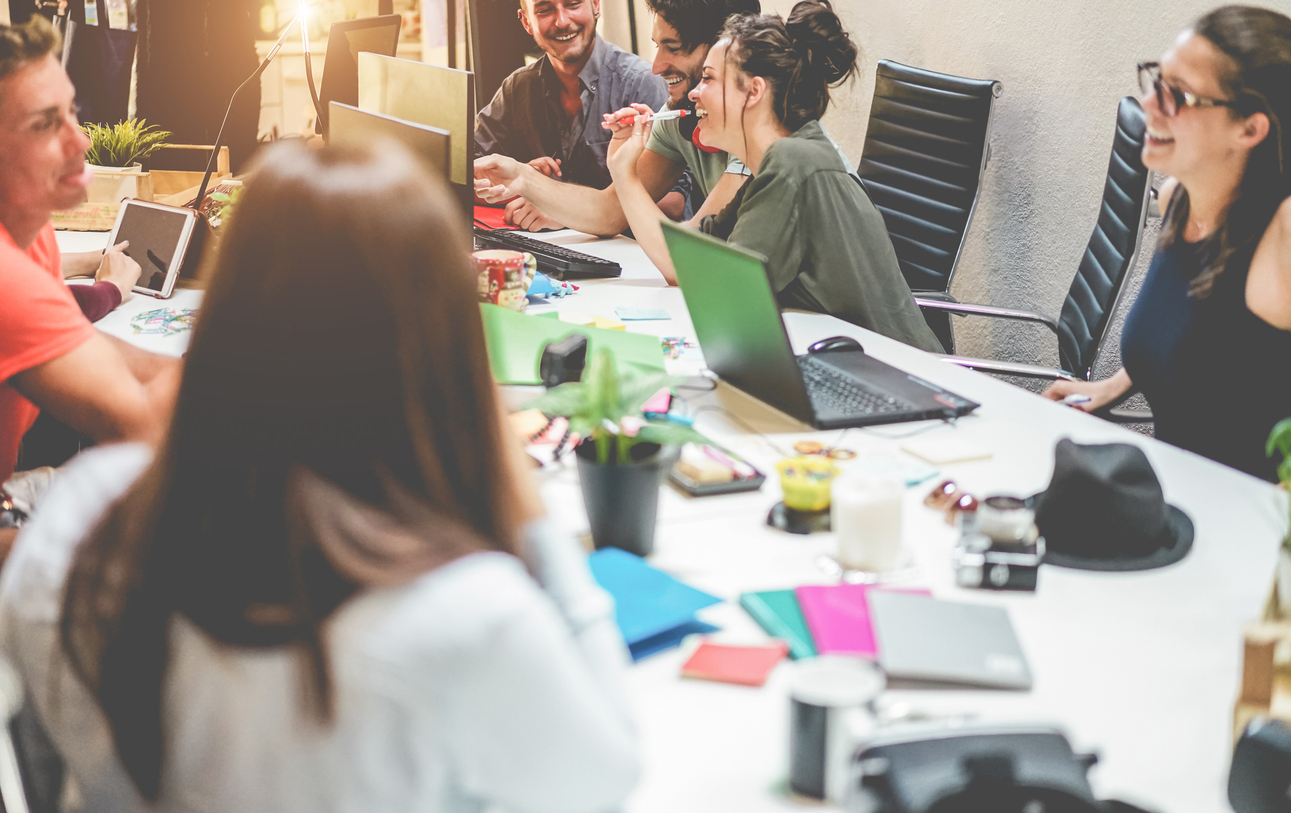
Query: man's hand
x,y
498,178
619,132
547,166
118,269
523,214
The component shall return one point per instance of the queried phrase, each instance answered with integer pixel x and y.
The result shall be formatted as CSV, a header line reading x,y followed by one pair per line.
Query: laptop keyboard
x,y
834,391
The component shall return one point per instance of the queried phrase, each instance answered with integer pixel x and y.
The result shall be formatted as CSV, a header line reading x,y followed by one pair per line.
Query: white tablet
x,y
159,237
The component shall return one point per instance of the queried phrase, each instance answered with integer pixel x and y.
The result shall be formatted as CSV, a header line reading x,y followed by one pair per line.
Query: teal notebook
x,y
777,612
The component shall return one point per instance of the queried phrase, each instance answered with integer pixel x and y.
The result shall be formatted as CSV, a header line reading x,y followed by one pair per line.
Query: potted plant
x,y
621,456
115,153
1280,441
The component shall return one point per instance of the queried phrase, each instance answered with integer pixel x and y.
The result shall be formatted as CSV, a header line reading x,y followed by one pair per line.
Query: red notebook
x,y
491,217
839,618
745,665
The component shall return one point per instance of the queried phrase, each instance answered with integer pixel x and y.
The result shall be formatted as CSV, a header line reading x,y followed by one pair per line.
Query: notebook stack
x,y
910,634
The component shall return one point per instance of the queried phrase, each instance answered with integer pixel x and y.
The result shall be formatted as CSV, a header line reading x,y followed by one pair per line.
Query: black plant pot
x,y
622,499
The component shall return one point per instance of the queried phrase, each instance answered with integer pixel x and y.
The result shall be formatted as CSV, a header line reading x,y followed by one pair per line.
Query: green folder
x,y
777,612
515,343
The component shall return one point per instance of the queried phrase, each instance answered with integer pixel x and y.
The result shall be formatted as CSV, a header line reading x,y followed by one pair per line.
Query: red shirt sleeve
x,y
96,300
39,318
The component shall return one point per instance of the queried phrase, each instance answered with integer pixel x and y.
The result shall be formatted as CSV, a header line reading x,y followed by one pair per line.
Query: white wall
x,y
1064,66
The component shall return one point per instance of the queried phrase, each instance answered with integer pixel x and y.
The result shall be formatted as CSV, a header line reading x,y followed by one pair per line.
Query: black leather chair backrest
x,y
925,151
1112,249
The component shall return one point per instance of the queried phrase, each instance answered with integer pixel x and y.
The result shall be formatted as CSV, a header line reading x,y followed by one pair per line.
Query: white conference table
x,y
1142,668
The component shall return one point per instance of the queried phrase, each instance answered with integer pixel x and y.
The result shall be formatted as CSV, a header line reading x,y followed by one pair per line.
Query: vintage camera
x,y
999,546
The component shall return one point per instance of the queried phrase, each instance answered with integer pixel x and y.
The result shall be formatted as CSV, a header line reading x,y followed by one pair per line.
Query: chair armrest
x,y
934,296
1012,368
969,309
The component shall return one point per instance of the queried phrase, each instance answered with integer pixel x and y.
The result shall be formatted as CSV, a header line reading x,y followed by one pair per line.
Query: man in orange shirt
x,y
51,358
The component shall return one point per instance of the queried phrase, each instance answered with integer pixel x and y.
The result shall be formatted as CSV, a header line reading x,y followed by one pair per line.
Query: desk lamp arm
x,y
255,76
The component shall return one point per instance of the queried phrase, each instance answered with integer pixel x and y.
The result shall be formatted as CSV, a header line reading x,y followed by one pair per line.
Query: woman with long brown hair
x,y
312,597
1208,340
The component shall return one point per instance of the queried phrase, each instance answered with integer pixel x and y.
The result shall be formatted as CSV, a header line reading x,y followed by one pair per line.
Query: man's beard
x,y
574,55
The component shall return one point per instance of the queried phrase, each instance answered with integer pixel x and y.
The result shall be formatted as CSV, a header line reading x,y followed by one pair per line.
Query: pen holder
x,y
806,482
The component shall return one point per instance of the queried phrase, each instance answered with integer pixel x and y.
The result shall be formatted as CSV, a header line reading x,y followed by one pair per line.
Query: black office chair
x,y
1109,256
926,149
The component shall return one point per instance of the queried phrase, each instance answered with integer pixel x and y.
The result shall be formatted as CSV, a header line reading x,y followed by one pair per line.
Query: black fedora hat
x,y
1104,510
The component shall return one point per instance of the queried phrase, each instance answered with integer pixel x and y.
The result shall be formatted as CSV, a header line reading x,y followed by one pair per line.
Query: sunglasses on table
x,y
1169,98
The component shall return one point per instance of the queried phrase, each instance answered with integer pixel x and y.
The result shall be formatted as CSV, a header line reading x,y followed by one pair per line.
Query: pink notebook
x,y
839,617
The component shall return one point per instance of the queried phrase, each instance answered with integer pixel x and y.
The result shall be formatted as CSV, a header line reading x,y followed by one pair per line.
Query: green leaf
x,y
669,434
1279,439
123,144
642,388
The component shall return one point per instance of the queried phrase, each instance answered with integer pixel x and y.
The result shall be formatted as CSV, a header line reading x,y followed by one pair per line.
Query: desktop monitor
x,y
377,35
350,125
430,95
499,45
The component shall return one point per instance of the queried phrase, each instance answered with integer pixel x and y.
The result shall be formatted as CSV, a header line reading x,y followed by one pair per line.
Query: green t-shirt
x,y
827,247
707,167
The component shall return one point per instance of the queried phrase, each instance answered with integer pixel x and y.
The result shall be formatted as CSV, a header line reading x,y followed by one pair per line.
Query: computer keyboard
x,y
834,391
555,261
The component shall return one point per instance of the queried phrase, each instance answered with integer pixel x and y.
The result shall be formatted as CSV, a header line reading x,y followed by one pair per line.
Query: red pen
x,y
664,116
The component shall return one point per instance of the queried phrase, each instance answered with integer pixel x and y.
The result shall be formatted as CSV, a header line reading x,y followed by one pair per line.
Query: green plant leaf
x,y
669,434
123,144
1279,439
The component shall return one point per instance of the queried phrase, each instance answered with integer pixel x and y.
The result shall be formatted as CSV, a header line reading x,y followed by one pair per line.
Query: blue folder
x,y
654,611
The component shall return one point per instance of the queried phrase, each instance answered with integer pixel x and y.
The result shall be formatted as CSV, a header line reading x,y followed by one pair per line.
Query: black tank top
x,y
1217,376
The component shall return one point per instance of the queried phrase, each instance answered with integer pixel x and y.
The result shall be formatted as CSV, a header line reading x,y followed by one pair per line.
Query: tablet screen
x,y
154,236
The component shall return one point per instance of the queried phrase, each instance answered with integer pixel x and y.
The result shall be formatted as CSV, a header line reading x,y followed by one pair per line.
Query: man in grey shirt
x,y
548,114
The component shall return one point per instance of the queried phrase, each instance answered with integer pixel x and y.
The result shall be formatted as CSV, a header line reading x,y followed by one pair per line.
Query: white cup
x,y
865,515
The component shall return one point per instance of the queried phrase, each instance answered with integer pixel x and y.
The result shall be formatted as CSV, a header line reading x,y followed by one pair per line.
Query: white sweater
x,y
470,689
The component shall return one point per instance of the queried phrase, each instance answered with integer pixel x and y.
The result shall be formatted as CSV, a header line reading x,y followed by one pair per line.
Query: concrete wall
x,y
1064,66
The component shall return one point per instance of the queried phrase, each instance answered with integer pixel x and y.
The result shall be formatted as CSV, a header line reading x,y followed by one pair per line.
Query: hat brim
x,y
1174,544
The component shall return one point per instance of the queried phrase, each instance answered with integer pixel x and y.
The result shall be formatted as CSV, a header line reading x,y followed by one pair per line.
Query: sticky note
x,y
641,314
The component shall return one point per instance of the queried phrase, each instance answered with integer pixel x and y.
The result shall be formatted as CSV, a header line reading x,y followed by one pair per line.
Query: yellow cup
x,y
806,482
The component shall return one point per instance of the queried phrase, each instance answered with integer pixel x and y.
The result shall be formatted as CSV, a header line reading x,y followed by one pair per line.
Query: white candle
x,y
866,518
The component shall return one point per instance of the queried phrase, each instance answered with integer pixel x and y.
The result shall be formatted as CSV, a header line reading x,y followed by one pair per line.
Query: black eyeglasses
x,y
1170,98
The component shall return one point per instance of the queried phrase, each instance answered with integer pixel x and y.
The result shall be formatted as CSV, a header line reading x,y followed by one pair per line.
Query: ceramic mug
x,y
505,277
831,709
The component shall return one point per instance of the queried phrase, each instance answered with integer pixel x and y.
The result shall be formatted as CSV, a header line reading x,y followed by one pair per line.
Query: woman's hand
x,y
623,163
620,132
1099,393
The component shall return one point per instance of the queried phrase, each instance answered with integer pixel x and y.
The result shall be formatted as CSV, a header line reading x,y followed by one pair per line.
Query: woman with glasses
x,y
332,588
1208,341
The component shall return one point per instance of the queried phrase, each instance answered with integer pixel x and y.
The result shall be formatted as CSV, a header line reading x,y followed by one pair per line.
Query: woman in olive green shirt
x,y
765,85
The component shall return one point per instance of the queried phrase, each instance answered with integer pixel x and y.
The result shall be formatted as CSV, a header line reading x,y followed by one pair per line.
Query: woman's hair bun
x,y
817,34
